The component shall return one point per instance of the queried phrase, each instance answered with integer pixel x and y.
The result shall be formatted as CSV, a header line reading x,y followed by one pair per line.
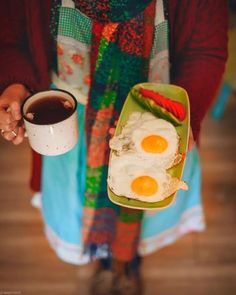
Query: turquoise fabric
x,y
62,201
221,101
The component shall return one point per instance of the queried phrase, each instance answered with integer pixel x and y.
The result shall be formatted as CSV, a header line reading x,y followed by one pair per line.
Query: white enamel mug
x,y
56,138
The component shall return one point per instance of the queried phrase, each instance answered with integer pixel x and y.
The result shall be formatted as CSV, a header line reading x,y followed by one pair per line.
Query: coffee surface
x,y
49,110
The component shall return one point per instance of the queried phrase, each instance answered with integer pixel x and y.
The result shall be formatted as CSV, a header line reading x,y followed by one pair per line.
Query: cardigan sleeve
x,y
199,64
16,65
15,61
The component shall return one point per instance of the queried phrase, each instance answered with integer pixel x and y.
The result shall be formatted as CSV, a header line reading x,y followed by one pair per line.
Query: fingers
x,y
67,104
9,127
10,116
9,135
20,136
190,145
10,112
16,136
191,141
112,131
10,103
5,117
30,116
15,110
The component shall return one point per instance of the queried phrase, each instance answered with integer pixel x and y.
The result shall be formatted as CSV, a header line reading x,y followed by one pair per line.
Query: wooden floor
x,y
197,264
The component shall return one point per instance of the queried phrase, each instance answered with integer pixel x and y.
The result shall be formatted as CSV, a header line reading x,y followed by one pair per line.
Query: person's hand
x,y
10,112
191,141
112,130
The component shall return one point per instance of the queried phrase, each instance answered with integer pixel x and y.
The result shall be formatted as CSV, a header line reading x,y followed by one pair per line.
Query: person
x,y
98,50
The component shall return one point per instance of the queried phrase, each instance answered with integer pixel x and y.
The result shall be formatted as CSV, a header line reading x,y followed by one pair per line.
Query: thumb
x,y
190,140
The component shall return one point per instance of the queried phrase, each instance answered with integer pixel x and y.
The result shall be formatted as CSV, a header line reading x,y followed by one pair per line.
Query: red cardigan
x,y
198,51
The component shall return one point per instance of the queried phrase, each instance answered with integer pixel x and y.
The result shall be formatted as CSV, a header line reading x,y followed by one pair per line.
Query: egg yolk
x,y
144,185
154,144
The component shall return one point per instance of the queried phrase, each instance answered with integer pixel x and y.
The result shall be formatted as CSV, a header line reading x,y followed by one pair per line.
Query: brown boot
x,y
126,281
119,279
102,280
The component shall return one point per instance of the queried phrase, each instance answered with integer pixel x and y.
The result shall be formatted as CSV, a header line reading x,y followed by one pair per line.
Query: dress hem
x,y
73,254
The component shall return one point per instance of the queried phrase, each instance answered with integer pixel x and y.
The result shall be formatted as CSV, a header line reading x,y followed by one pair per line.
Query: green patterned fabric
x,y
160,42
73,28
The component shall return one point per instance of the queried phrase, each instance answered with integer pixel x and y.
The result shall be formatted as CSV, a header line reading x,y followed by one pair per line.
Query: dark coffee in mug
x,y
51,121
50,110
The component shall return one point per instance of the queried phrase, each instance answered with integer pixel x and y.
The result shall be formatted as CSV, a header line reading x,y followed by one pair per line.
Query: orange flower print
x,y
69,69
65,67
61,75
87,80
60,49
77,58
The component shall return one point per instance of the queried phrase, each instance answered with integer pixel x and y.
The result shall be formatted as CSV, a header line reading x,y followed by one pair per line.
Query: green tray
x,y
173,92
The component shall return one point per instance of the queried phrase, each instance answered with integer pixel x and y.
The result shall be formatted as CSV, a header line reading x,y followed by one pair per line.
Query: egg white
x,y
125,168
158,127
140,125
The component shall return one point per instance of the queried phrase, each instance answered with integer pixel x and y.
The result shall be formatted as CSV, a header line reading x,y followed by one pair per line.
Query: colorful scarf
x,y
124,52
122,35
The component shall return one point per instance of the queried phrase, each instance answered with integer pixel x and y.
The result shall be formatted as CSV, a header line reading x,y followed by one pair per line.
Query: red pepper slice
x,y
174,107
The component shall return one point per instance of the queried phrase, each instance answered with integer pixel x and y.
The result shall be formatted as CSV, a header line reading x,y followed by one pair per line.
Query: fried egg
x,y
134,179
151,138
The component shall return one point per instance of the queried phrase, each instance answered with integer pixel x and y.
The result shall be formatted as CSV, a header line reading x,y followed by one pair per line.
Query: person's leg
x,y
127,277
116,277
